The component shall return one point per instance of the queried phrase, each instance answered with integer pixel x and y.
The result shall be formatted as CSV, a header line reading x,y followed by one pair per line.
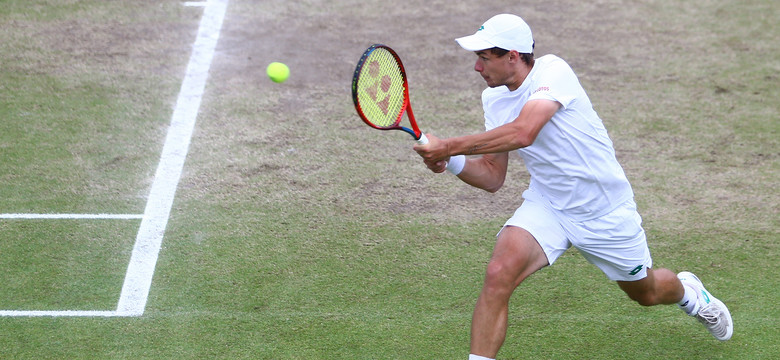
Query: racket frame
x,y
406,107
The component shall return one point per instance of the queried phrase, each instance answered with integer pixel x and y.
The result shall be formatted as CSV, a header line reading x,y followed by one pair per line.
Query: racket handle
x,y
423,139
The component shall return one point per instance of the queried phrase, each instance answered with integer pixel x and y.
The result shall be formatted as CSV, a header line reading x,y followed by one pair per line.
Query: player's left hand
x,y
437,167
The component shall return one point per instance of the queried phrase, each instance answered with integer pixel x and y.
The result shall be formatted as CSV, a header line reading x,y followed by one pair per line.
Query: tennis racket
x,y
381,93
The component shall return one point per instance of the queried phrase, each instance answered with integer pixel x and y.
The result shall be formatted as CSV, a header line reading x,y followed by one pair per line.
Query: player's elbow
x,y
522,140
488,184
492,189
522,135
494,186
489,172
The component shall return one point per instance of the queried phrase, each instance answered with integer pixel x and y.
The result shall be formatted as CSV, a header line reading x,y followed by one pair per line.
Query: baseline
x,y
71,216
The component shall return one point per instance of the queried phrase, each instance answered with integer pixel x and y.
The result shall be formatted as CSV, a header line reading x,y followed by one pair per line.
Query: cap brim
x,y
474,43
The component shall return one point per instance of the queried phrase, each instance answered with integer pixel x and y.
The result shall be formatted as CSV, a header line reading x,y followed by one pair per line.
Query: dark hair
x,y
526,58
497,51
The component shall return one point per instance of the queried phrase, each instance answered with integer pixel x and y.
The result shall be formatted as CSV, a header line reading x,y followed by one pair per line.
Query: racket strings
x,y
381,89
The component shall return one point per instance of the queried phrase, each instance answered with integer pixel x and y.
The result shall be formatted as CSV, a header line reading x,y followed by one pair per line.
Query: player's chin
x,y
490,82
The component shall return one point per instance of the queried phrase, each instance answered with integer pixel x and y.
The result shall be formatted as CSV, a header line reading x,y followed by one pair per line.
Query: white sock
x,y
689,301
477,357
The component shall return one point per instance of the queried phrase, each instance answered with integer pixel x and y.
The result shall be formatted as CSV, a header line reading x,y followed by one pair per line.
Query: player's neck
x,y
522,73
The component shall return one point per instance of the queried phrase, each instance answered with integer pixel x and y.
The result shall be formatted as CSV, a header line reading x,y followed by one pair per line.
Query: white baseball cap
x,y
505,31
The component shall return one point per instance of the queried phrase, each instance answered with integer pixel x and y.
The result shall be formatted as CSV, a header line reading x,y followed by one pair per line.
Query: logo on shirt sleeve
x,y
542,88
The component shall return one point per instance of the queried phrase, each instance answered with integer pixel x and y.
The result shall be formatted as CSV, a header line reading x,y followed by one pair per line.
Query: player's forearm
x,y
499,140
478,176
486,172
517,134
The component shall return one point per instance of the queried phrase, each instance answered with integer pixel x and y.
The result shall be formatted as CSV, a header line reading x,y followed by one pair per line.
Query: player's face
x,y
493,68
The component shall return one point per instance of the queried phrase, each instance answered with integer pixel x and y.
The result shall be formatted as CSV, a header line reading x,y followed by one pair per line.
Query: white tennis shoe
x,y
710,311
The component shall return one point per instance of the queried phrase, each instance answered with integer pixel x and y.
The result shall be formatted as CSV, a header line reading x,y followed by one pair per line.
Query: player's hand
x,y
437,167
434,152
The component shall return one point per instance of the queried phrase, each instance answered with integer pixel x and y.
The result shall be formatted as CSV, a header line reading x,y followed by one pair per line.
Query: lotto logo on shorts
x,y
636,270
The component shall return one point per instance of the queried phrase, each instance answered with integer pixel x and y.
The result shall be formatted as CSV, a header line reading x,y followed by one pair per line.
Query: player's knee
x,y
498,279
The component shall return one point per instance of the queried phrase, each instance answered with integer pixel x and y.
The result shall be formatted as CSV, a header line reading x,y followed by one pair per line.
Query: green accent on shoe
x,y
706,297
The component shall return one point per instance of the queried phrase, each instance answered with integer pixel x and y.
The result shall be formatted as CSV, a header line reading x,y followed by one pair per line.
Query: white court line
x,y
40,313
72,216
138,279
140,271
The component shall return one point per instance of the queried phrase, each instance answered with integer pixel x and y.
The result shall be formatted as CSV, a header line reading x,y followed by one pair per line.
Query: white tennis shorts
x,y
614,242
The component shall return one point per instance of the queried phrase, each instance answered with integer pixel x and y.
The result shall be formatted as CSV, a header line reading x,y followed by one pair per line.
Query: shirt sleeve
x,y
557,82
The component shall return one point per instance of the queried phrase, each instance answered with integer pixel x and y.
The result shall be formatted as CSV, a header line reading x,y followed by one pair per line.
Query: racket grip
x,y
423,139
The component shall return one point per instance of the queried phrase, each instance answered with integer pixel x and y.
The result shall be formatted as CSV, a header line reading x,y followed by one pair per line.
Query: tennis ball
x,y
278,72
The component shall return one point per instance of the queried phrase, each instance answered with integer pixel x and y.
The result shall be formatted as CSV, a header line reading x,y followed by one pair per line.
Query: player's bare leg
x,y
516,256
661,286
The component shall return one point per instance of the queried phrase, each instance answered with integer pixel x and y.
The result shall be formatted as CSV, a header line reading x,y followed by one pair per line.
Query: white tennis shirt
x,y
572,161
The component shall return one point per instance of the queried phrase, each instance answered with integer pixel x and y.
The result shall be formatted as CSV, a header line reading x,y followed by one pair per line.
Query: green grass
x,y
299,233
63,264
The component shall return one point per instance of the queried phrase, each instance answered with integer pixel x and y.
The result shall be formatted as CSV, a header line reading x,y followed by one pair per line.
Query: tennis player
x,y
578,194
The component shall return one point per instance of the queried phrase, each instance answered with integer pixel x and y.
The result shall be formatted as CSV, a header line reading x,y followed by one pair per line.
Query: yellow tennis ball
x,y
278,72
